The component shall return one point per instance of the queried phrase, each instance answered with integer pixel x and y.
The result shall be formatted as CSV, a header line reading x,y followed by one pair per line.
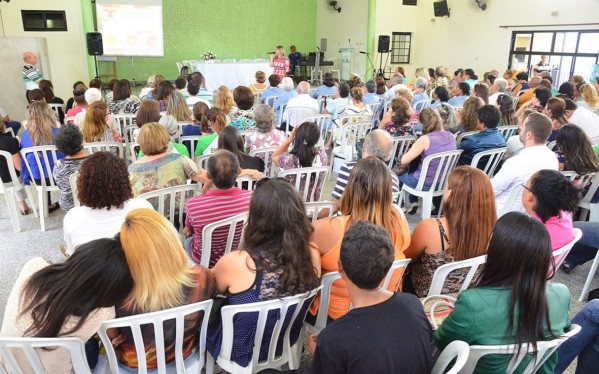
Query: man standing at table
x,y
31,74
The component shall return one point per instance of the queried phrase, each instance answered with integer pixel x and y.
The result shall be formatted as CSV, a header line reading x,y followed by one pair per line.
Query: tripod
x,y
381,71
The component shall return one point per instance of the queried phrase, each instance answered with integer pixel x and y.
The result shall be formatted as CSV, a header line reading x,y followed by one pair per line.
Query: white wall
x,y
66,49
340,28
471,38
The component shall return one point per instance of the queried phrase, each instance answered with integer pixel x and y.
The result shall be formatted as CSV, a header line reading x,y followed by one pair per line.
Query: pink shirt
x,y
74,111
560,229
213,206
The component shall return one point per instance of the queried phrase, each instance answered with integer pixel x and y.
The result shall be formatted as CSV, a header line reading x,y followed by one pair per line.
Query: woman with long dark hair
x,y
231,140
556,110
48,90
276,260
397,120
68,299
512,302
463,232
440,95
506,106
575,151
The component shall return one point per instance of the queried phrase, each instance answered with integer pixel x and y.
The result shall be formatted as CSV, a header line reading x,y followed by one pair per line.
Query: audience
x,y
538,101
528,94
395,83
522,84
165,89
505,103
327,87
439,79
259,86
69,141
193,89
121,102
77,85
273,80
223,201
535,156
176,111
47,89
582,345
589,99
381,86
303,99
340,99
158,167
468,115
275,261
366,255
486,139
198,79
230,140
12,146
9,123
433,140
470,78
367,197
200,124
287,94
154,82
462,94
525,308
463,232
68,299
556,111
104,191
585,119
151,242
79,102
420,89
41,129
481,90
448,117
397,120
243,117
111,85
440,95
566,91
208,144
95,127
500,87
264,134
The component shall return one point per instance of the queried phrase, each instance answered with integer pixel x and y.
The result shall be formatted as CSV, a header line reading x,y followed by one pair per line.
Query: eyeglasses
x,y
524,185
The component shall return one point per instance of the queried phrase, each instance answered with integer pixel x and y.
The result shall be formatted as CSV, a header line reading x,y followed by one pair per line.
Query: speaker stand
x,y
96,64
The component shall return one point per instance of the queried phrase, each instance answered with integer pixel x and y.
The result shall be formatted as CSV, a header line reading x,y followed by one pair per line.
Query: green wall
x,y
241,28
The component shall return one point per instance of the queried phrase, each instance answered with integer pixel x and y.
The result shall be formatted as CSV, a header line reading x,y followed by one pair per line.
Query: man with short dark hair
x,y
370,97
535,156
294,58
199,79
274,90
224,201
488,137
385,332
341,98
192,89
462,94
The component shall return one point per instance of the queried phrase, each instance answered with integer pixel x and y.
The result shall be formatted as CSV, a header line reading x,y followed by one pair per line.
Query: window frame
x,y
397,57
44,14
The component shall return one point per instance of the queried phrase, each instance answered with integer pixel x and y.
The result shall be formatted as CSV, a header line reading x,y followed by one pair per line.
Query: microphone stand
x,y
371,63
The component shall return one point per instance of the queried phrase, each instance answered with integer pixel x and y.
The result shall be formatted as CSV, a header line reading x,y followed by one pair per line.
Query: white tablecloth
x,y
231,74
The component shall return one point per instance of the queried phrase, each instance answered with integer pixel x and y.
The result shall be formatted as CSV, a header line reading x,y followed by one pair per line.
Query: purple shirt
x,y
440,141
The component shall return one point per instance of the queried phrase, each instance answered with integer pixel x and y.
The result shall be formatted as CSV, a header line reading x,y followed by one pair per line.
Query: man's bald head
x,y
303,87
29,56
534,82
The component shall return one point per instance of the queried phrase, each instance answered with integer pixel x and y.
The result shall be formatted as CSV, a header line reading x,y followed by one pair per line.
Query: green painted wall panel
x,y
240,28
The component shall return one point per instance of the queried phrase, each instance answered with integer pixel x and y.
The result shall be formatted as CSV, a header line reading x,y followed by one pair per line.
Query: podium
x,y
346,61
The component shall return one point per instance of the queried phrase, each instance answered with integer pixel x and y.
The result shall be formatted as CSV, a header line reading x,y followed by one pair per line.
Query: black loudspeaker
x,y
383,43
410,2
441,9
95,47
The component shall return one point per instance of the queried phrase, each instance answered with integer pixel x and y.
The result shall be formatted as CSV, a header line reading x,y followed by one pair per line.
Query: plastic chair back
x,y
73,182
492,158
292,311
202,161
314,208
544,350
193,363
324,124
443,271
456,350
246,183
559,255
507,131
294,116
124,120
401,145
397,270
9,190
463,135
419,105
349,137
112,147
265,154
514,201
307,181
190,142
235,226
171,201
271,100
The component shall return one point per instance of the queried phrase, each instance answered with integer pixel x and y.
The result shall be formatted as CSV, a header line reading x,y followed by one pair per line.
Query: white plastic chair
x,y
202,161
179,315
171,202
190,142
73,182
401,145
587,206
307,180
111,147
279,115
507,131
28,347
129,136
580,181
57,108
245,182
590,276
41,157
419,105
257,98
134,150
375,108
234,236
294,116
463,135
441,273
493,157
447,161
124,120
348,138
314,208
271,100
265,154
559,255
9,192
292,311
179,67
396,266
514,201
544,350
188,63
456,350
324,124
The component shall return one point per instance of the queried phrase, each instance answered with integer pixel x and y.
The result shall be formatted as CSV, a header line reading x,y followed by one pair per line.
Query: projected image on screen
x,y
132,29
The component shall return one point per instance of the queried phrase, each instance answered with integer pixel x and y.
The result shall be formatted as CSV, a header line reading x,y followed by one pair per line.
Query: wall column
x,y
87,16
370,37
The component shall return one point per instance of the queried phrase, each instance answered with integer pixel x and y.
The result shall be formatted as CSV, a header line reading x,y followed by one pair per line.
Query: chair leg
x,y
594,213
587,283
30,200
12,208
427,203
209,363
43,209
584,214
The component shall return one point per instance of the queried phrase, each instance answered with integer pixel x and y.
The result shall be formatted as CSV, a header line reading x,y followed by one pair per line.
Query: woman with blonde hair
x,y
468,116
589,99
41,129
223,100
463,232
176,111
159,167
367,197
95,126
422,73
163,278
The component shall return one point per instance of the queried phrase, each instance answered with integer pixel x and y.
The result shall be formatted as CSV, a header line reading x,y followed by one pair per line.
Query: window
x,y
401,43
568,52
44,20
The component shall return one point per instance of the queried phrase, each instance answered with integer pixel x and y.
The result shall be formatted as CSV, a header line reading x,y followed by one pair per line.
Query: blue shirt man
x,y
464,92
488,138
274,80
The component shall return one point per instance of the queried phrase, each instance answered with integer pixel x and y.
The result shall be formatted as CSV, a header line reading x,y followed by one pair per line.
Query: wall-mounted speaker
x,y
383,46
441,8
323,45
410,2
95,47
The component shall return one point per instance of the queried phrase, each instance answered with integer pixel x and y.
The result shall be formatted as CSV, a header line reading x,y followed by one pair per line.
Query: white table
x,y
231,74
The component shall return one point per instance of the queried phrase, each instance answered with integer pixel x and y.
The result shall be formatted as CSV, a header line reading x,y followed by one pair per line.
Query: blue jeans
x,y
585,344
410,181
586,248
